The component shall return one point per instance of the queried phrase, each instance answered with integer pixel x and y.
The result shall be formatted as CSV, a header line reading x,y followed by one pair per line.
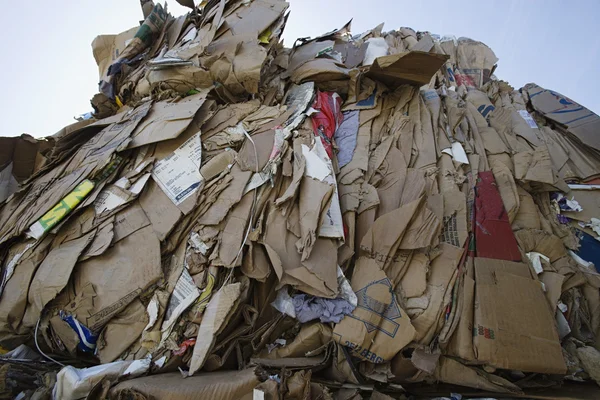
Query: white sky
x,y
49,73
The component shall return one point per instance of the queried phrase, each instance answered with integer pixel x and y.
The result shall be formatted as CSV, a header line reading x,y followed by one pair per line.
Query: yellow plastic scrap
x,y
265,36
59,211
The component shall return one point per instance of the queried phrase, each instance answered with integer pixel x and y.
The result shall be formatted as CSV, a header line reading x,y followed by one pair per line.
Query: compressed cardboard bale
x,y
414,160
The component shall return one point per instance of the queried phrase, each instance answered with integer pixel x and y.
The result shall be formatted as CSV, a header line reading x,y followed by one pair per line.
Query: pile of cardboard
x,y
361,213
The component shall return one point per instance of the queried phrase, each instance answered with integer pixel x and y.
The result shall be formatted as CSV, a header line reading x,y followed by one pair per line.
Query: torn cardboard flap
x,y
412,68
378,328
167,119
518,332
126,284
217,313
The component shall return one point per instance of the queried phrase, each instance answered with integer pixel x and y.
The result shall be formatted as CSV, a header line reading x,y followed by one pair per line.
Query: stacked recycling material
x,y
361,213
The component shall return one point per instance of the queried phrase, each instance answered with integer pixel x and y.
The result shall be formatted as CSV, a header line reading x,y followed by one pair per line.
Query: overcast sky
x,y
49,73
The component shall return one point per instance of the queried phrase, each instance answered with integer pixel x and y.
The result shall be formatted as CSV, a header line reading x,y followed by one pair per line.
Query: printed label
x,y
178,175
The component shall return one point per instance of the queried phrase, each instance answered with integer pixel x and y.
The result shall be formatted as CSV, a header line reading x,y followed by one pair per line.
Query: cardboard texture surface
x,y
513,325
353,217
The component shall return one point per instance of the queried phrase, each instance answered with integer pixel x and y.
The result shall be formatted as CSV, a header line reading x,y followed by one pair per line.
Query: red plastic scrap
x,y
494,237
327,118
184,346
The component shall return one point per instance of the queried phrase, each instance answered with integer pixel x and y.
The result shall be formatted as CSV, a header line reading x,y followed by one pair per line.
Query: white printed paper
x,y
528,118
178,175
185,293
257,180
118,194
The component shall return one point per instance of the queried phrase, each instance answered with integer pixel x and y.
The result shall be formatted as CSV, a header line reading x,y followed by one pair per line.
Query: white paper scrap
x,y
457,152
152,310
536,261
185,293
319,166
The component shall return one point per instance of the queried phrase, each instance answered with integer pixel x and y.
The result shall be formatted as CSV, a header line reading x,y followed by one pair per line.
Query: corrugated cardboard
x,y
117,287
202,155
451,371
413,68
220,385
580,121
216,316
167,119
513,325
442,274
108,48
378,328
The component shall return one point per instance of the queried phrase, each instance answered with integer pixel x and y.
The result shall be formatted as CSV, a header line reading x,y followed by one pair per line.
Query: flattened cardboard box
x,y
513,325
580,121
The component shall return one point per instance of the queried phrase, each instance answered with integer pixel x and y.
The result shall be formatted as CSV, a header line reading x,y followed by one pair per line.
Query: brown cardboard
x,y
513,325
452,371
50,188
552,287
315,198
216,316
126,284
378,328
166,120
414,281
220,385
53,274
589,201
507,188
412,68
442,274
316,275
122,331
461,343
311,337
108,48
227,198
580,121
14,296
454,230
528,216
541,242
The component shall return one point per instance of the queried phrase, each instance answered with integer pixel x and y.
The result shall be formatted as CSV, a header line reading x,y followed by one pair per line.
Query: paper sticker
x,y
178,175
528,118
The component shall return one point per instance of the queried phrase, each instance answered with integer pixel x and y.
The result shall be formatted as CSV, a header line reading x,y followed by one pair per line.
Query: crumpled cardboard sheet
x,y
211,184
